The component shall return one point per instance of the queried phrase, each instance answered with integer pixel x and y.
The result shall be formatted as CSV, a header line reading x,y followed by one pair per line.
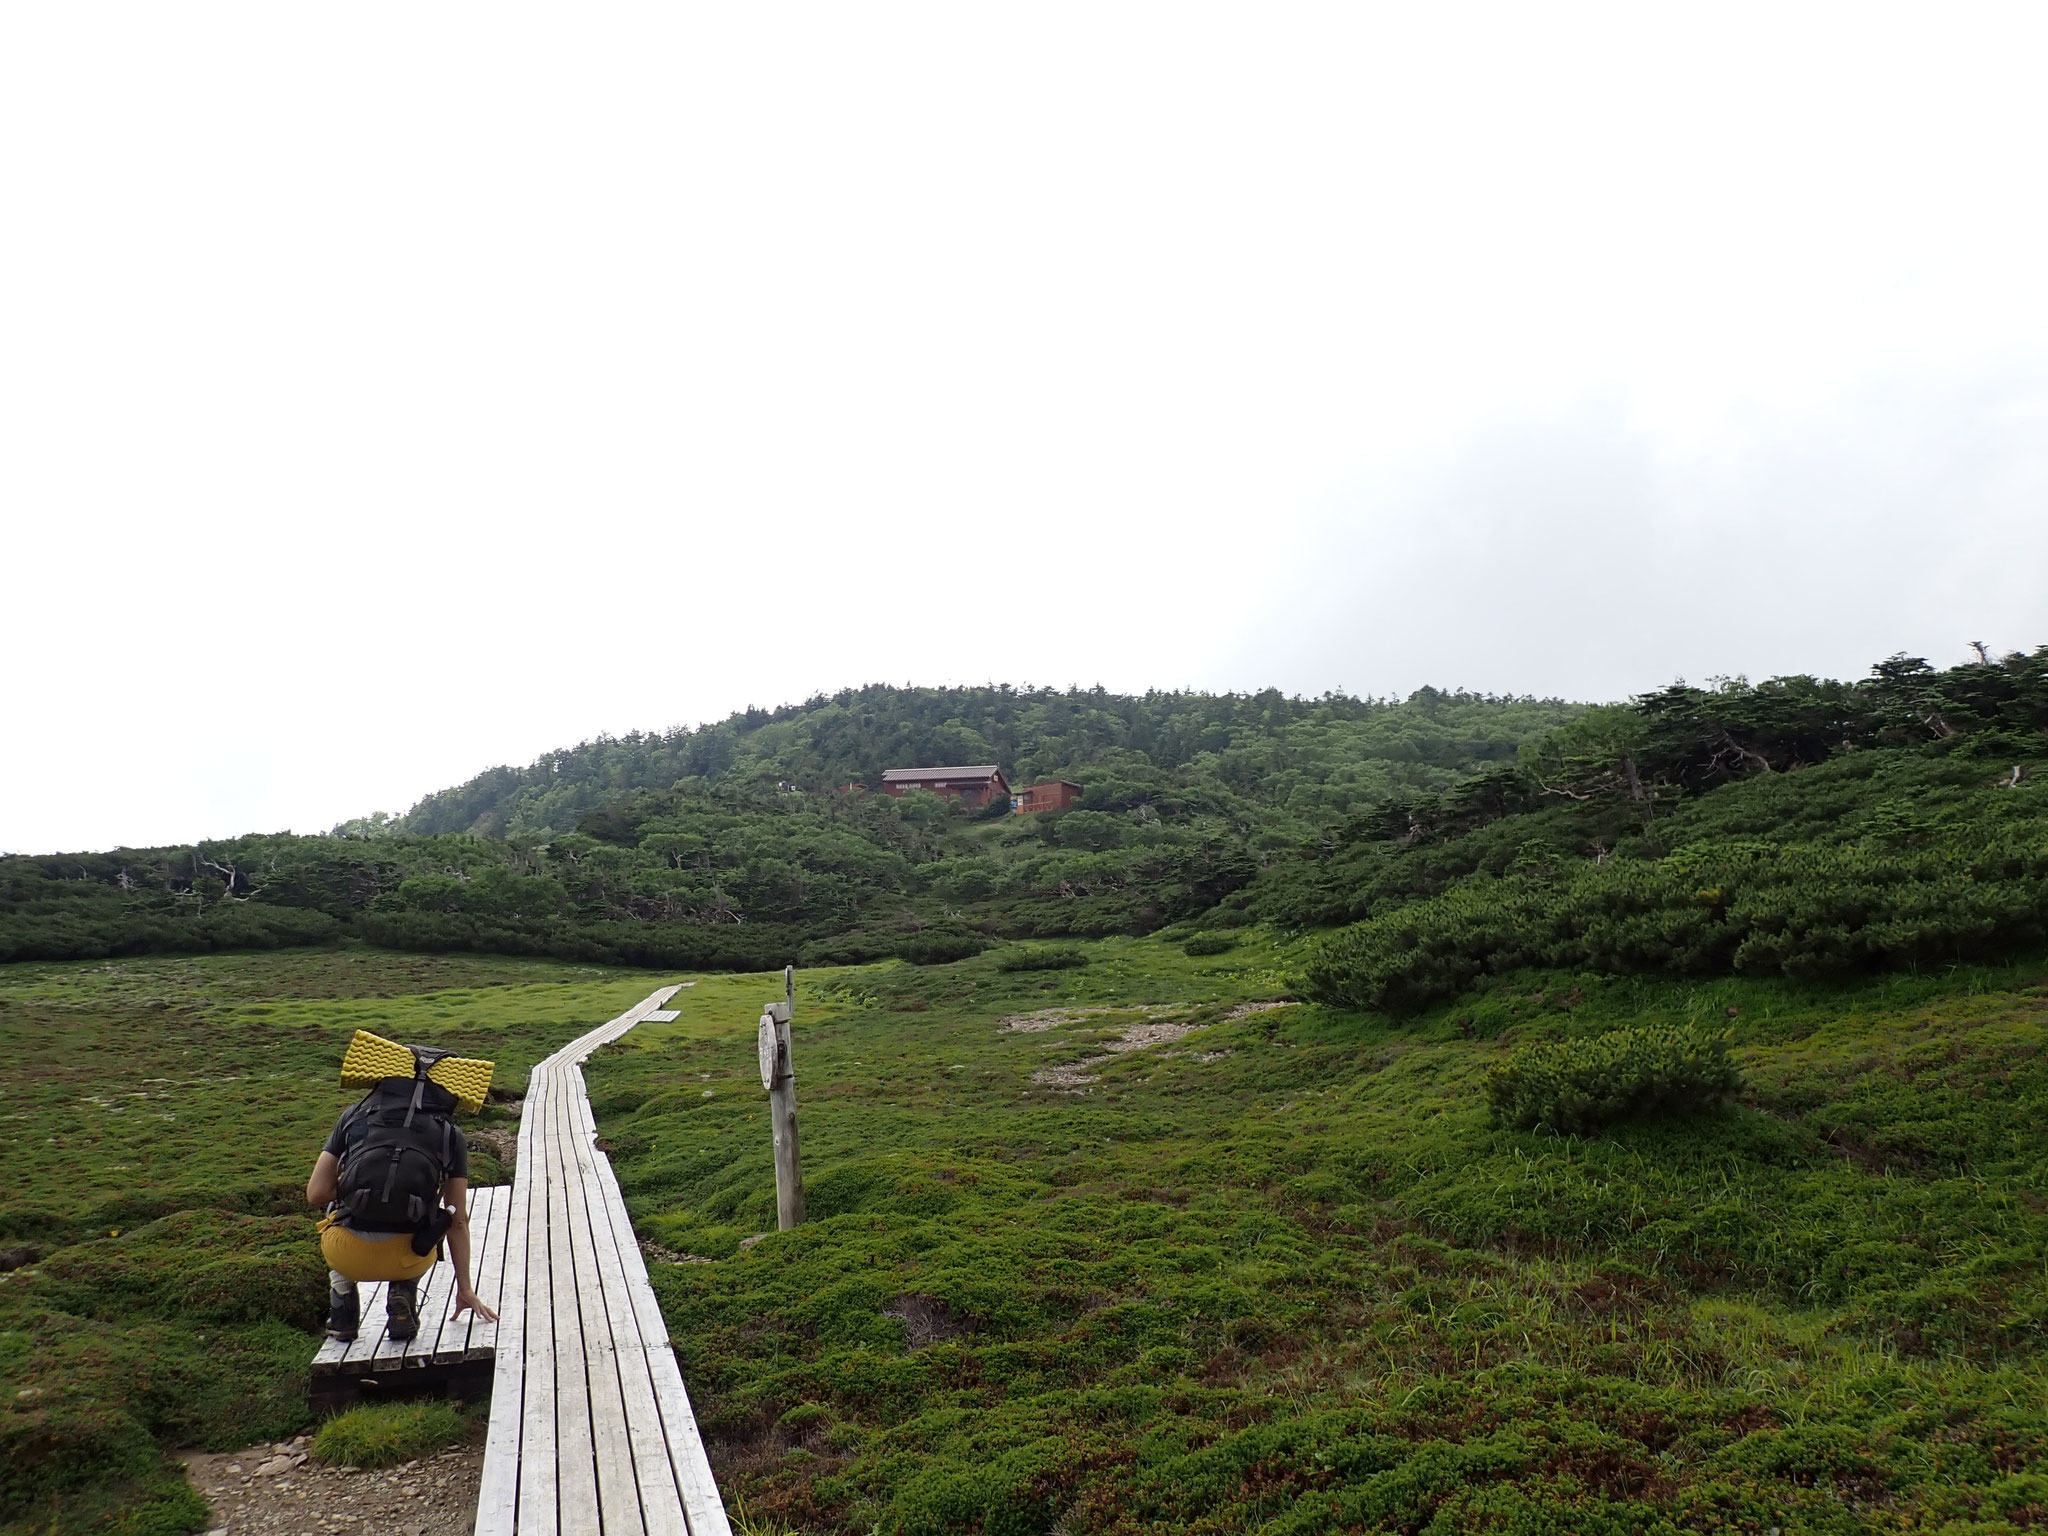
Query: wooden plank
x,y
616,1473
327,1359
686,1471
490,1282
647,1311
611,1439
575,1450
661,1504
487,1209
454,1341
539,1439
369,1329
701,1503
498,1491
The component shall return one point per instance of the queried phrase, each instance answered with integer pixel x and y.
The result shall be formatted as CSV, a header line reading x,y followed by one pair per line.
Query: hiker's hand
x,y
466,1300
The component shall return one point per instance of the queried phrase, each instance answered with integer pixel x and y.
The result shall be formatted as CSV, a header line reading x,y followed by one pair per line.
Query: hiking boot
x,y
402,1309
343,1314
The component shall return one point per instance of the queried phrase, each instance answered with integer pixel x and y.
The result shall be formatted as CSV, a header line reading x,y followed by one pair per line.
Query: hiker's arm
x,y
455,1195
326,1177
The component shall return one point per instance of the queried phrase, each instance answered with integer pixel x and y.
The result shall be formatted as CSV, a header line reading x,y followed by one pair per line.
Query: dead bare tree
x,y
230,876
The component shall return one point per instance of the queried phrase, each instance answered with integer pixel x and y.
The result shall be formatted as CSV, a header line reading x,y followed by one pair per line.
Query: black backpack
x,y
391,1180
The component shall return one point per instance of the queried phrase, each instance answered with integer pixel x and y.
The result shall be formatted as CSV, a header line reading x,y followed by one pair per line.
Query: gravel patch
x,y
1076,1077
275,1489
1052,1018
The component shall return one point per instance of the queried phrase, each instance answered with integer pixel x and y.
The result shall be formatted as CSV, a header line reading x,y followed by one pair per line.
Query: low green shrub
x,y
1208,944
1577,1086
1742,907
201,1265
941,948
93,931
385,1434
856,948
684,946
1024,958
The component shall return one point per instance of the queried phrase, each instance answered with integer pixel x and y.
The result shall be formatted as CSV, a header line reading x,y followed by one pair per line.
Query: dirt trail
x,y
275,1490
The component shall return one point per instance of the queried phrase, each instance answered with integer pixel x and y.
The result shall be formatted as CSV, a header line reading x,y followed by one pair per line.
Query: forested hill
x,y
740,843
1309,760
1798,826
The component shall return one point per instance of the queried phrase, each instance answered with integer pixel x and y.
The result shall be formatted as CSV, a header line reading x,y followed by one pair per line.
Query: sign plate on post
x,y
765,1044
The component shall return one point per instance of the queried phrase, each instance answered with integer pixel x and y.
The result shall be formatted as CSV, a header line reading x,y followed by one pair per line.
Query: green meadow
x,y
1115,1247
1276,1272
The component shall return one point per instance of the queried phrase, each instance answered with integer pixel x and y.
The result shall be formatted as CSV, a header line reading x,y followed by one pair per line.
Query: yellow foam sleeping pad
x,y
371,1058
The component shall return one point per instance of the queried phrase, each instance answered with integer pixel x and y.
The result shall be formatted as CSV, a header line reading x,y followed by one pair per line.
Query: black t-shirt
x,y
350,1129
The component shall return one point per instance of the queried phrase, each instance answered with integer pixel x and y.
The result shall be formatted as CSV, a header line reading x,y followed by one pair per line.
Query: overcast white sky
x,y
391,391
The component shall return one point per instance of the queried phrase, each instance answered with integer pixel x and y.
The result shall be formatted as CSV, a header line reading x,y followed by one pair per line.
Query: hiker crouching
x,y
394,1178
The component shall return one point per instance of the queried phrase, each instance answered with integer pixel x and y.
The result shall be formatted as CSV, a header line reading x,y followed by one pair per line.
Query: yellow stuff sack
x,y
371,1058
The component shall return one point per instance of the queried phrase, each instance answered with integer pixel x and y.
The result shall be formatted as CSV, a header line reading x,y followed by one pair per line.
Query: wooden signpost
x,y
778,1076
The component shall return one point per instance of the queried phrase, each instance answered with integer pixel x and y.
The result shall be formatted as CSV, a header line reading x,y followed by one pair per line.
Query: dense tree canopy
x,y
748,839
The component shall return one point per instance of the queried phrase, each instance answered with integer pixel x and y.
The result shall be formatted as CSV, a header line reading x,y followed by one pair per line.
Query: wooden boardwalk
x,y
591,1432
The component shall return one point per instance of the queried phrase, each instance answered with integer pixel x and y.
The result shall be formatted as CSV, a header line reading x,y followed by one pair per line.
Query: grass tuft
x,y
1580,1085
1033,958
385,1434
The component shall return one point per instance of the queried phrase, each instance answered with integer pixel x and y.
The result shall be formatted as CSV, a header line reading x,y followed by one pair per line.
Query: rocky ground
x,y
274,1488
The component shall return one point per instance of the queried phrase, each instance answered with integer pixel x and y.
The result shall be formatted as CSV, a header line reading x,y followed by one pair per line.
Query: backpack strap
x,y
419,1091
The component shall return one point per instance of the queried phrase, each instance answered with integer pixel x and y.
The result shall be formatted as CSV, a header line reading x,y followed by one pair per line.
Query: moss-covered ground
x,y
1279,1274
158,1117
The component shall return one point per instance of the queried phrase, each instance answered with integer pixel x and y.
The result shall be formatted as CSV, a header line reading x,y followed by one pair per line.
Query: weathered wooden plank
x,y
598,1297
539,1509
692,1468
575,1446
454,1341
498,1492
327,1359
369,1329
688,1471
490,1282
647,1311
487,1211
661,1504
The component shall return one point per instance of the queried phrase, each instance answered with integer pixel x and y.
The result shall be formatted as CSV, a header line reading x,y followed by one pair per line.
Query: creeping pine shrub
x,y
941,948
1208,944
1741,907
385,1434
1022,958
1576,1086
